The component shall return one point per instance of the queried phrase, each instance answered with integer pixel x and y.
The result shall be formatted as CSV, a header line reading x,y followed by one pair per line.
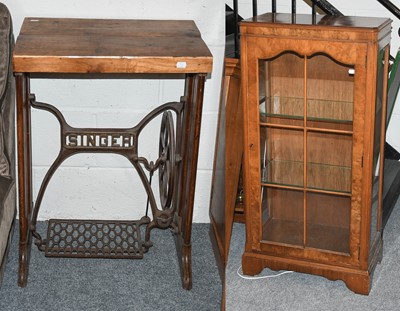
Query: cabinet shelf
x,y
291,232
317,109
319,176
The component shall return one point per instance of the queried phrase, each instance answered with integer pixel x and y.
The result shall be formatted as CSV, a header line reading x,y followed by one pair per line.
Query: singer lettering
x,y
99,140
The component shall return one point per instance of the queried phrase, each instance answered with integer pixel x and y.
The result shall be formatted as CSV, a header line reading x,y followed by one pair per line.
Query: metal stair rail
x,y
233,18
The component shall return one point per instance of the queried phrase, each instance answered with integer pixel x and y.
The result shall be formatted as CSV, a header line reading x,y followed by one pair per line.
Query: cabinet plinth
x,y
314,107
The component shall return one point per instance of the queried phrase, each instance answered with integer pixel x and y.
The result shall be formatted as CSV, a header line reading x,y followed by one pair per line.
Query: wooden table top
x,y
66,45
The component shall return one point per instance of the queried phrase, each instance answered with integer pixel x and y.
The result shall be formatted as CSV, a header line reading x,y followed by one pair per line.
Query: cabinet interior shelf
x,y
317,109
291,232
319,176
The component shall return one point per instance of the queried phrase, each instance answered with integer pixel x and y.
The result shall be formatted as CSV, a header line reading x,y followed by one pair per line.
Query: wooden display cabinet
x,y
314,100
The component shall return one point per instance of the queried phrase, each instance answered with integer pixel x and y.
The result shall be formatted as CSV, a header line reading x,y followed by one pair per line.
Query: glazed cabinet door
x,y
309,174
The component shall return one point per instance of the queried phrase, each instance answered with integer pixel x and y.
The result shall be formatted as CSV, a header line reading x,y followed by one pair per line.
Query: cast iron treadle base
x,y
94,239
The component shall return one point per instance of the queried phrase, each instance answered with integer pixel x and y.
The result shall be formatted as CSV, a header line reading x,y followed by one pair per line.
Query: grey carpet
x,y
152,283
301,292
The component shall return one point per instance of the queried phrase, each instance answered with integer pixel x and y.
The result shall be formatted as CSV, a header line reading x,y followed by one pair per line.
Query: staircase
x,y
232,19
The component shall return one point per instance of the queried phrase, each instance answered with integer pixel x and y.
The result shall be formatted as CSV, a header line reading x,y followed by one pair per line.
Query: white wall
x,y
106,186
352,8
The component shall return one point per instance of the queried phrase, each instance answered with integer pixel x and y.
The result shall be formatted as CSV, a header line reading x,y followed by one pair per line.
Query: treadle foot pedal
x,y
94,239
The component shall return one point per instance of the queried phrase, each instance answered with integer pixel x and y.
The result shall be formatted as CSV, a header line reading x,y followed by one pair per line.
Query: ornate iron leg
x,y
177,165
119,141
24,175
192,112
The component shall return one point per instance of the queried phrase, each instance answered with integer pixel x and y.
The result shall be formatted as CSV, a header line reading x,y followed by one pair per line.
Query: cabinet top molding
x,y
71,45
320,20
328,27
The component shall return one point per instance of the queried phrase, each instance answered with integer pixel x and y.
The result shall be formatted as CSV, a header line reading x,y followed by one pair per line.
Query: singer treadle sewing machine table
x,y
49,47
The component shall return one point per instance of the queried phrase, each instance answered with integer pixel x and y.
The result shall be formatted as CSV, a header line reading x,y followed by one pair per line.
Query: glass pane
x,y
329,161
281,88
328,222
283,220
330,90
375,222
281,156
